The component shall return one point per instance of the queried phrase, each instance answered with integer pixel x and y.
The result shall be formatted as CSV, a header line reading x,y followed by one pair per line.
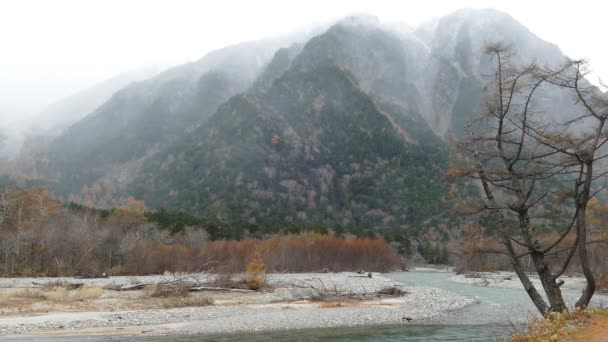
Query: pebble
x,y
419,304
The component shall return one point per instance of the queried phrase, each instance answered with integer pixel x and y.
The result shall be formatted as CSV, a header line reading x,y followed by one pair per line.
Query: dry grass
x,y
11,296
191,300
175,296
56,294
341,304
596,330
54,284
163,291
331,305
25,301
88,293
555,327
49,294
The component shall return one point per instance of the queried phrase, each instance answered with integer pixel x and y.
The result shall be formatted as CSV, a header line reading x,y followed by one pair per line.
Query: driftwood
x,y
67,286
133,287
190,283
219,289
141,286
91,276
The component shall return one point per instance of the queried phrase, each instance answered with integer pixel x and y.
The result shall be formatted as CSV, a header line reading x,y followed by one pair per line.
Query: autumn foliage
x,y
42,237
256,270
306,252
483,252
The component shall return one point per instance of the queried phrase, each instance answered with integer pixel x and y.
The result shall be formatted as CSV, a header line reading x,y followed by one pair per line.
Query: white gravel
x,y
276,311
509,280
118,280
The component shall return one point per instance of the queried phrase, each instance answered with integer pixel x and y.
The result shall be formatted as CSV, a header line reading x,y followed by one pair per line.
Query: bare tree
x,y
522,163
582,143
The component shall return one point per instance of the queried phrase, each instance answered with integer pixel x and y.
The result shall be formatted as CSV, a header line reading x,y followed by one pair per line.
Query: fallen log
x,y
141,286
73,286
133,287
219,289
68,286
91,276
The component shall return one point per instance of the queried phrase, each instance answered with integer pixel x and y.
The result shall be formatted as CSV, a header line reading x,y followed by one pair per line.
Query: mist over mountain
x,y
55,118
344,127
457,69
136,121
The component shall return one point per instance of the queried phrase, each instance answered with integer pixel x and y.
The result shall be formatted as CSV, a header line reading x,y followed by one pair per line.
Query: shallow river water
x,y
496,314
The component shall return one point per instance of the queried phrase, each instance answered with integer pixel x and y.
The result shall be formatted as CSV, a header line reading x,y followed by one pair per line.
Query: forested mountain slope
x,y
346,128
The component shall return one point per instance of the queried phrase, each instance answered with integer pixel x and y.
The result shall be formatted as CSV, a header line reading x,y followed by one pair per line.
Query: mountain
x,y
456,68
314,148
26,136
348,127
58,116
109,144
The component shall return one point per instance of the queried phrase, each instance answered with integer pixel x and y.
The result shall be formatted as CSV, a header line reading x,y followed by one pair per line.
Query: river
x,y
496,314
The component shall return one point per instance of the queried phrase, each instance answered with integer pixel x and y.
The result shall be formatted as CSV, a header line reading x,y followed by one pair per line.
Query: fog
x,y
52,49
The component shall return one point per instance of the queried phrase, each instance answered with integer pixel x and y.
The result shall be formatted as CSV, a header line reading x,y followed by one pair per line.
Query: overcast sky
x,y
51,49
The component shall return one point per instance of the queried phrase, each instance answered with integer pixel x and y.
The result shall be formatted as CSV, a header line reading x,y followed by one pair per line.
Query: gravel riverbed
x,y
286,307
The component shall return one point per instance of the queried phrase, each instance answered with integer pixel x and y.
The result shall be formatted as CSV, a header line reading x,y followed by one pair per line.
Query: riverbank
x,y
596,329
290,301
579,325
509,280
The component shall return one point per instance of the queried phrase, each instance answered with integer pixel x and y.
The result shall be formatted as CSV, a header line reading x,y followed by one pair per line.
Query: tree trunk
x,y
552,289
536,298
589,289
581,229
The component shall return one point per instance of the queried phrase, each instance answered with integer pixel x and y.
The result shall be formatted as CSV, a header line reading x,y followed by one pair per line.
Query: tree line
x,y
41,236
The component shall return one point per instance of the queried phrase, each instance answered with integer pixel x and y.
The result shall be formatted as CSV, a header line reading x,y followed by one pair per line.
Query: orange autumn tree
x,y
256,270
22,210
130,213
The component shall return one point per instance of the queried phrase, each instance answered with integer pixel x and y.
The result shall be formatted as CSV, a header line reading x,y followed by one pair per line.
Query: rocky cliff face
x,y
456,68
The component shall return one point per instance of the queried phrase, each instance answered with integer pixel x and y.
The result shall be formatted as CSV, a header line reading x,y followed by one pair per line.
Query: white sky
x,y
50,49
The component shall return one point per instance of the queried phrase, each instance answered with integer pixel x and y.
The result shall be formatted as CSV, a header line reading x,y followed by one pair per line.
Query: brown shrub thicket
x,y
39,237
486,253
306,252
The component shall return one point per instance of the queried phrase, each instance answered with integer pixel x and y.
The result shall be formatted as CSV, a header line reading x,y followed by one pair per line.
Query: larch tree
x,y
523,163
582,143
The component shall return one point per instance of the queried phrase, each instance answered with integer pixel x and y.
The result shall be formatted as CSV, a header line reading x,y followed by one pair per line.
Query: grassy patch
x,y
88,293
176,296
55,294
340,304
556,327
14,295
191,300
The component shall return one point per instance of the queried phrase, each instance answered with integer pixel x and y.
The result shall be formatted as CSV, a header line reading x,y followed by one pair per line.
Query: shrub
x,y
256,271
176,295
165,291
554,327
57,294
85,293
